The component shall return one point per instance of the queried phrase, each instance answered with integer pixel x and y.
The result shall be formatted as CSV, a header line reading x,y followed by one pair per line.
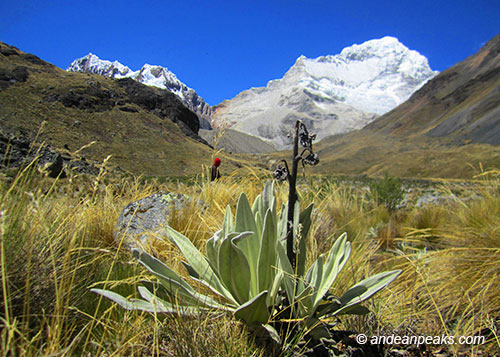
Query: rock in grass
x,y
20,151
147,217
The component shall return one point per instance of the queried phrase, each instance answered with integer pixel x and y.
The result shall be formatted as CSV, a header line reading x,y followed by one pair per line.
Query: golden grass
x,y
57,240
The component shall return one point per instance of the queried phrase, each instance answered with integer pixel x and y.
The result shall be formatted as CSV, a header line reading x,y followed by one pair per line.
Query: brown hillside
x,y
146,130
462,102
448,128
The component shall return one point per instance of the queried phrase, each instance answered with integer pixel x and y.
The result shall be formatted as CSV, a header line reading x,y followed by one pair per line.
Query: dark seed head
x,y
281,173
311,159
305,138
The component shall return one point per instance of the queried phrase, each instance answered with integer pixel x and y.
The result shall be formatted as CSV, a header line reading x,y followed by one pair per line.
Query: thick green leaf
x,y
273,295
282,224
227,224
157,289
356,309
328,308
267,258
199,263
243,242
257,205
312,276
153,299
273,333
338,256
192,273
288,275
132,304
149,296
174,284
317,329
177,298
245,221
178,292
306,219
155,266
367,287
259,224
249,245
316,273
305,302
254,312
234,269
333,309
258,215
212,254
268,199
305,223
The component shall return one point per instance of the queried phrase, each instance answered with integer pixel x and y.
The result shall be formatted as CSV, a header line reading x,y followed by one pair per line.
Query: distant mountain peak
x,y
374,76
93,64
334,93
152,75
462,103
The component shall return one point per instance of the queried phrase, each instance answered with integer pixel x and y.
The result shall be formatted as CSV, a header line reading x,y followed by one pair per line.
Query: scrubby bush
x,y
388,191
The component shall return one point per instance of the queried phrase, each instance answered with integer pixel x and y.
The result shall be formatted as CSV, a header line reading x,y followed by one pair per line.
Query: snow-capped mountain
x,y
332,94
156,76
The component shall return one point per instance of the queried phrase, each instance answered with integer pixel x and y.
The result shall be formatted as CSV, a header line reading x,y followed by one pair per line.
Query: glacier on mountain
x,y
156,76
333,94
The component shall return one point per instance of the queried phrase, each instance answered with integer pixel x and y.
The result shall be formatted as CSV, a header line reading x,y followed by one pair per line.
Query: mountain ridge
x,y
462,102
332,94
151,75
146,130
448,128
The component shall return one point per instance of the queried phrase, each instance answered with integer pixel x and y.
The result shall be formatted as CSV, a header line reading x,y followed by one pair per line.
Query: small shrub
x,y
388,191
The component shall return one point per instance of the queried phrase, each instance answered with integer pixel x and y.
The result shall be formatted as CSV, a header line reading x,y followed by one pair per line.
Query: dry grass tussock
x,y
57,241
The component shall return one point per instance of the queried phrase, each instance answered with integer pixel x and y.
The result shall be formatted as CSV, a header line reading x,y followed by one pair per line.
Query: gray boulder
x,y
147,217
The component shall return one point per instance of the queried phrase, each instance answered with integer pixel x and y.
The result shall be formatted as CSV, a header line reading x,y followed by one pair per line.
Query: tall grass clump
x,y
54,243
57,241
452,288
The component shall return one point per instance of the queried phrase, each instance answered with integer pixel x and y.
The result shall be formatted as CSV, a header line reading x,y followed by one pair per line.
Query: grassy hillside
x,y
448,128
143,128
371,153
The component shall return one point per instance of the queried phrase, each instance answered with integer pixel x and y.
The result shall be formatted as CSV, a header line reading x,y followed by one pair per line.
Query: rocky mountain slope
x,y
463,102
156,76
448,128
147,130
332,94
233,141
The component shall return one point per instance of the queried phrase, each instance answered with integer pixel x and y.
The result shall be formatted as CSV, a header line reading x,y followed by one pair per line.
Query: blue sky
x,y
220,48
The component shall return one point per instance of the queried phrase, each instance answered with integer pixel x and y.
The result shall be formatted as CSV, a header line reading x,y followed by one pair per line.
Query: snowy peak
x,y
392,57
374,48
161,77
334,93
151,75
93,64
375,76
